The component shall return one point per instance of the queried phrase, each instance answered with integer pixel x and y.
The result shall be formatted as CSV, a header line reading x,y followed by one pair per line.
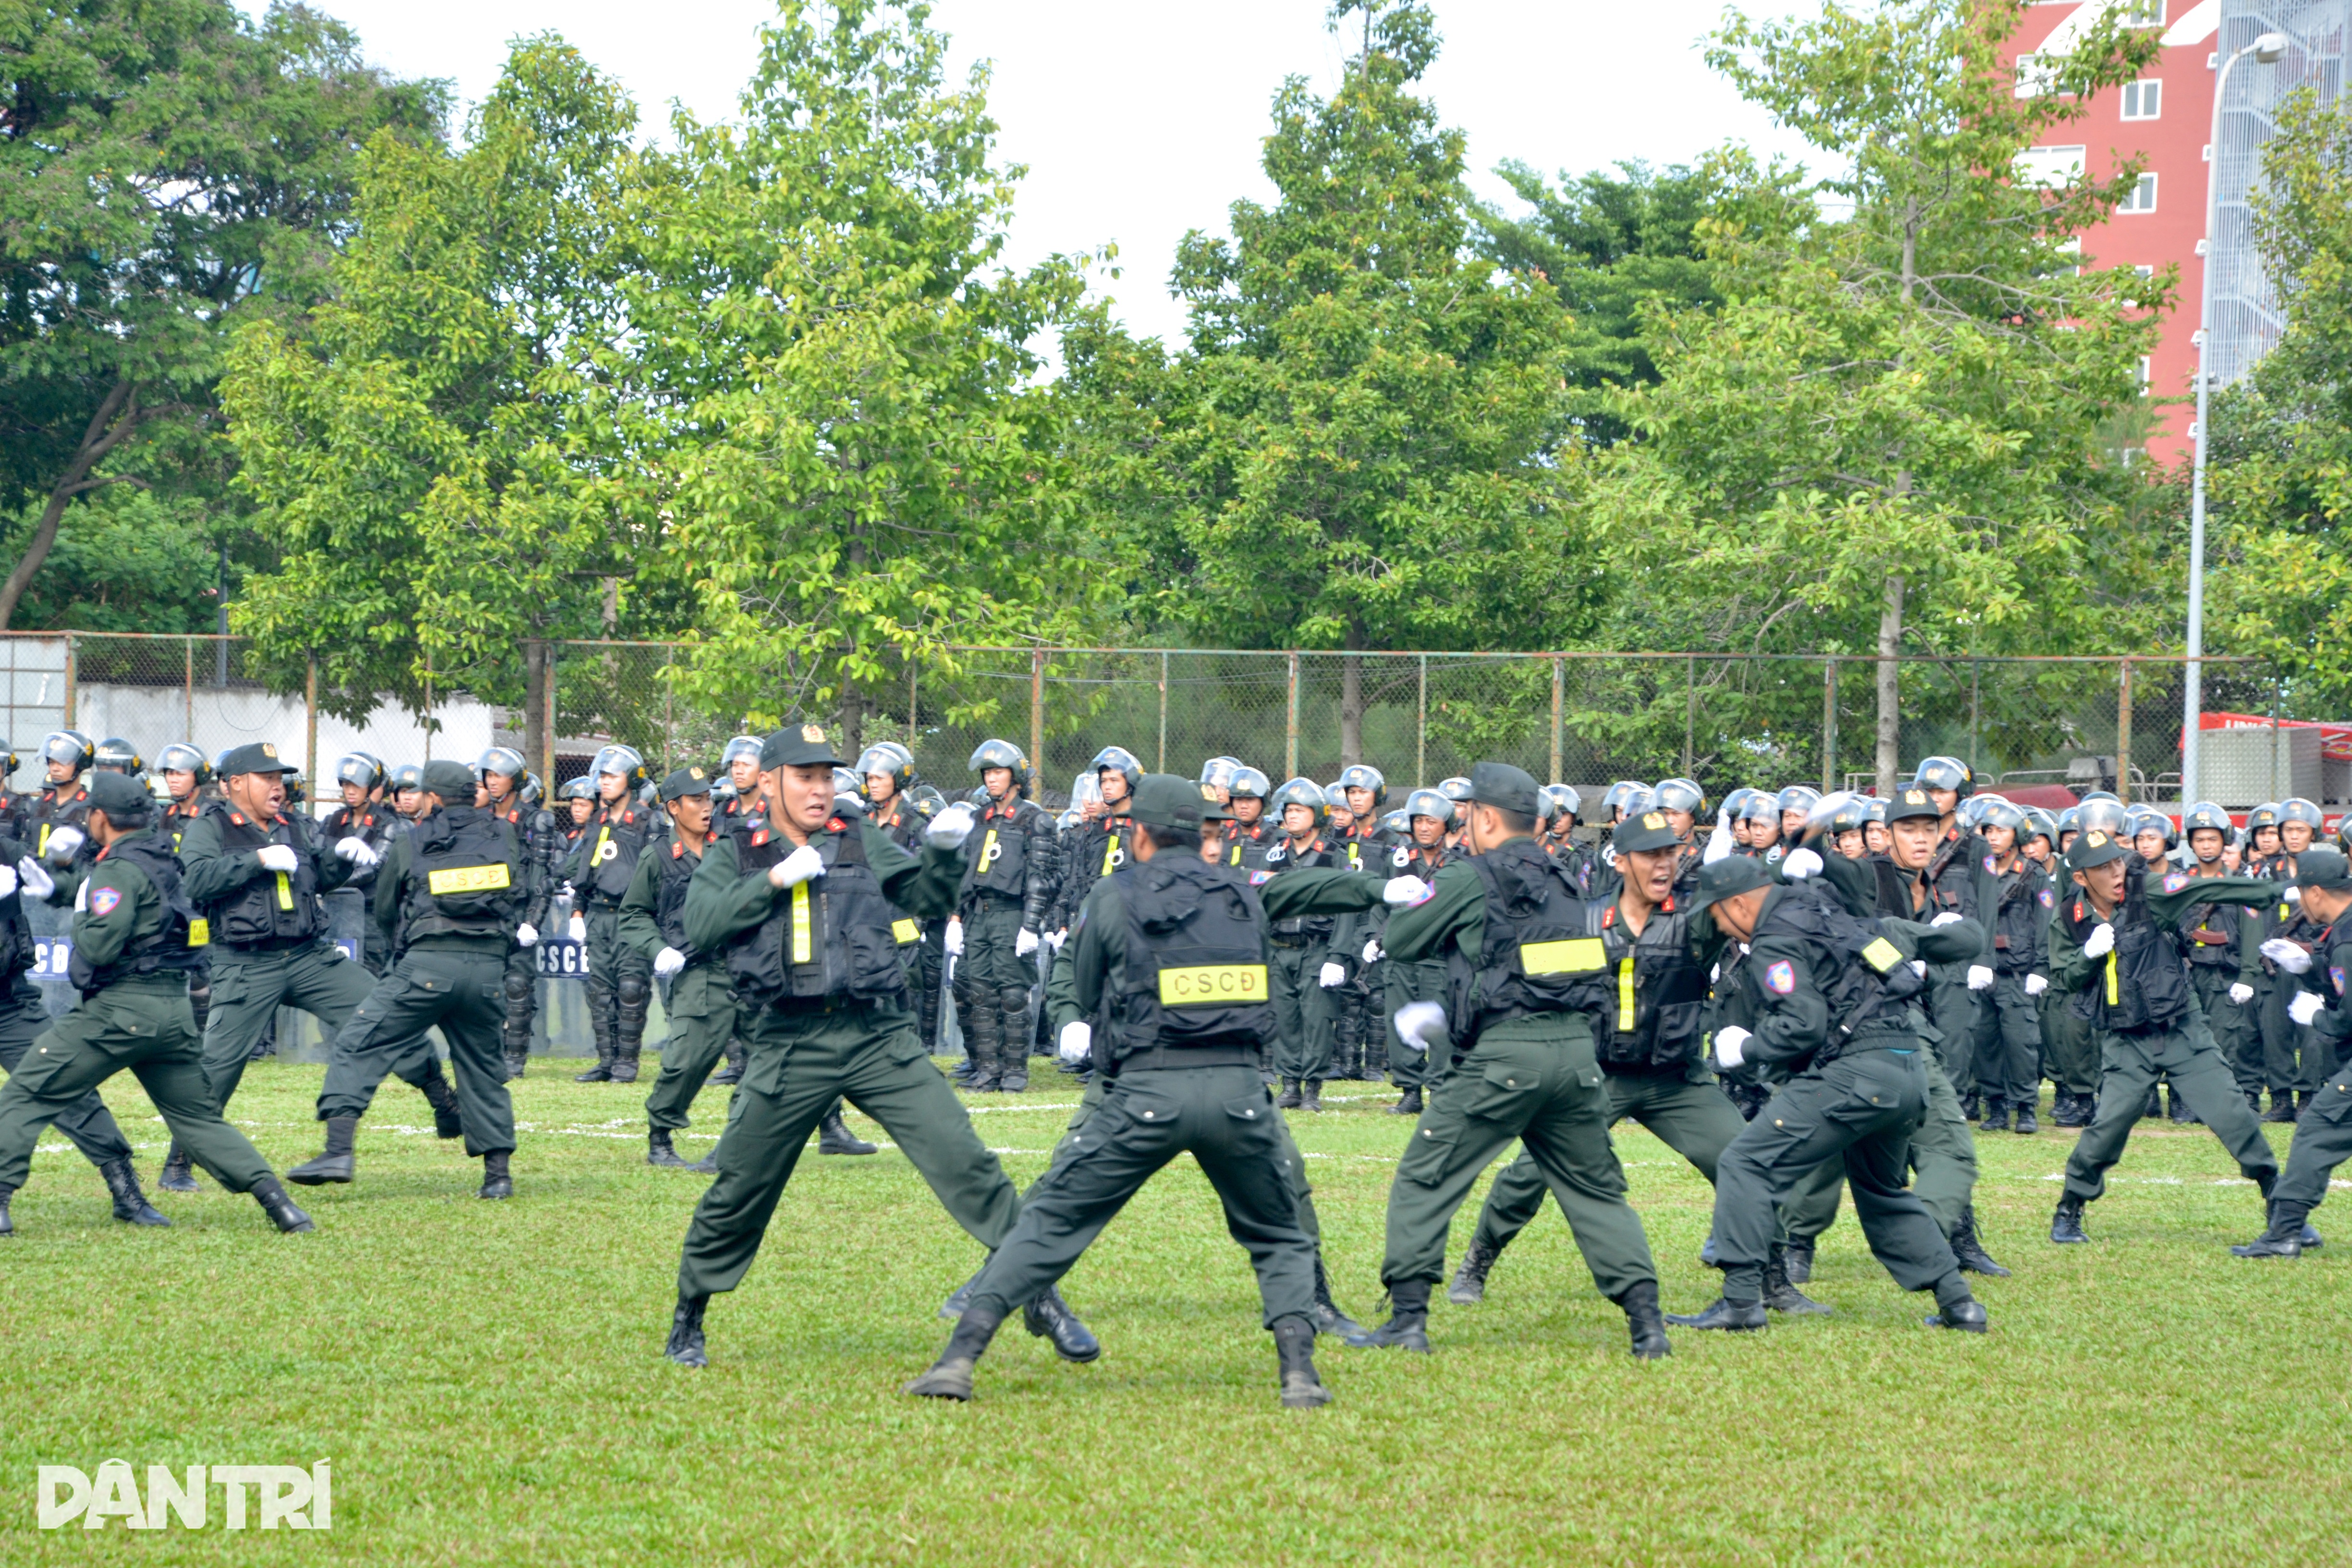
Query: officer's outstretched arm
x,y
924,886
1792,1021
1097,942
1955,942
1318,890
1062,989
208,874
384,904
640,927
2246,892
2069,969
722,900
1456,901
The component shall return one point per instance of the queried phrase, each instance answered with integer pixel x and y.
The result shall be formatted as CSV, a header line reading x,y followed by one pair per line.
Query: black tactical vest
x,y
177,944
2209,935
613,845
1281,857
999,849
830,936
676,873
1866,984
465,878
1656,993
1538,956
2142,983
1194,972
277,909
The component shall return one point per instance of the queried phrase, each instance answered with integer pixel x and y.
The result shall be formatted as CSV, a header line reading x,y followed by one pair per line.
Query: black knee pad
x,y
522,991
635,989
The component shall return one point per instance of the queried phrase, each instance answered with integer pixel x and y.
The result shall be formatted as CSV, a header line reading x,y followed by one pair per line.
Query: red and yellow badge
x,y
1781,978
104,902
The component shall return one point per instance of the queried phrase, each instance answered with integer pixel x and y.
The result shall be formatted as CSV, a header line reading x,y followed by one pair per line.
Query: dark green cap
x,y
1911,800
1730,877
123,798
259,757
2323,869
1644,833
1503,787
1163,800
799,746
686,781
454,782
2095,847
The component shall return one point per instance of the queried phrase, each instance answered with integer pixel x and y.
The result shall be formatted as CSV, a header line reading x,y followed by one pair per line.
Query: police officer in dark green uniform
x,y
1307,966
2323,1134
1172,955
1528,985
504,777
1013,880
701,1006
1832,998
604,859
135,939
255,872
1649,1042
1422,857
2112,950
448,899
802,902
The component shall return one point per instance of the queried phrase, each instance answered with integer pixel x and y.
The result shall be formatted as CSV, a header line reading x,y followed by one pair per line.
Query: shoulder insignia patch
x,y
1259,878
2176,880
1991,868
104,902
2078,908
1781,978
2336,972
2047,897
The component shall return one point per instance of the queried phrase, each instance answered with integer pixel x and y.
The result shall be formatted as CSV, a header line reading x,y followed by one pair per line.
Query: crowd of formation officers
x,y
1805,996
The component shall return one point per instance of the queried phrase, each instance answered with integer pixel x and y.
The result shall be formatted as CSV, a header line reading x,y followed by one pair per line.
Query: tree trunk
x,y
1890,716
1351,700
853,718
116,417
536,665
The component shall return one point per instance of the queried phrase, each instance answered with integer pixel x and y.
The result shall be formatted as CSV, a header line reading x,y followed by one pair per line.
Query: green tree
x,y
1891,436
419,448
167,168
829,403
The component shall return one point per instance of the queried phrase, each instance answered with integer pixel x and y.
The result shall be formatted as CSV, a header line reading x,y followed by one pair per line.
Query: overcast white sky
x,y
1140,121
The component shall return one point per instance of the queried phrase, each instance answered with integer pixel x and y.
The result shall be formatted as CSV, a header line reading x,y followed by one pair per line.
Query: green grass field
x,y
487,1381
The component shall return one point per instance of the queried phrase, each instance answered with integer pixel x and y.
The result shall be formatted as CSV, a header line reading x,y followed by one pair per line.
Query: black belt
x,y
1162,1059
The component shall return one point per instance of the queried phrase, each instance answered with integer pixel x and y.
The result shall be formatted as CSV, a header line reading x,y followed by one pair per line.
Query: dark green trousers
x,y
141,1026
1942,1158
1952,1008
1685,1111
2128,1066
2009,1043
2070,1057
1303,1013
2233,1025
701,1013
1224,1117
803,1056
1403,983
2294,1057
1294,1164
462,990
1532,1079
620,984
249,988
1857,1115
2322,1140
86,1122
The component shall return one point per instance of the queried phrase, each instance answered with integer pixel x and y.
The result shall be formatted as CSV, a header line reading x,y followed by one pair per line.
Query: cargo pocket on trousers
x,y
1790,1134
1502,1092
1427,1156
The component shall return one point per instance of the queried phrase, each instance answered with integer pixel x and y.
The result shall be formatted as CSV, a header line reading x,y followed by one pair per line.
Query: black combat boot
x,y
1311,1098
733,1071
1294,1350
1781,1295
1969,1106
2181,1114
1996,1116
1969,1250
983,1039
659,1152
834,1137
2066,1225
498,1181
708,1164
599,1023
335,1162
130,1205
444,1102
960,1297
637,997
625,1066
1956,1309
279,1208
1049,1318
1730,1316
2069,1110
7,1225
685,1345
1469,1287
1409,1104
1796,1260
2153,1109
1408,1324
179,1175
1644,1322
2282,1238
2303,1101
1328,1319
1292,1096
951,1375
2026,1123
2281,1111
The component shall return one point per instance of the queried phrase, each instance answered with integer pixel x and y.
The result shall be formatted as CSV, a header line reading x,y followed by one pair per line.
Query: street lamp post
x,y
2266,51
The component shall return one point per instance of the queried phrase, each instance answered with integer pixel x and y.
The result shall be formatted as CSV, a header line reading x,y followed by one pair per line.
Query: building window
x,y
2049,167
2147,374
2141,198
2143,13
2143,100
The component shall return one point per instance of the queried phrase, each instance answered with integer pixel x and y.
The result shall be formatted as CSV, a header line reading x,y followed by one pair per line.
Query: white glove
x,y
36,878
955,939
526,935
1077,1037
81,898
2289,956
273,857
1372,951
2035,984
63,842
2100,943
1919,967
796,868
1732,1045
1025,943
1331,976
1948,918
668,962
1801,864
1421,1025
571,893
1054,938
1404,890
576,927
7,880
355,849
2241,992
1979,977
951,828
2294,895
2305,1007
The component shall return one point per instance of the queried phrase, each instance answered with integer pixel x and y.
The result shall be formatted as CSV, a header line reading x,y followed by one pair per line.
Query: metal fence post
x,y
1558,691
69,681
2123,733
1976,709
1829,725
669,707
910,705
428,707
546,724
2278,694
1036,707
1690,716
188,688
310,724
1290,724
1421,729
1163,710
